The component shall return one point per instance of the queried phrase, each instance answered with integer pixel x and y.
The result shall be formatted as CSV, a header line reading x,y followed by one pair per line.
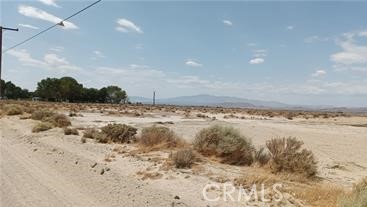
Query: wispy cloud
x,y
36,13
49,2
57,49
193,63
352,52
256,61
124,25
316,38
318,73
290,27
227,22
99,54
50,61
258,57
28,26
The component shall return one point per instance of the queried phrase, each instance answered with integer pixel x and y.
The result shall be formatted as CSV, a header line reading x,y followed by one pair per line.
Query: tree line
x,y
65,89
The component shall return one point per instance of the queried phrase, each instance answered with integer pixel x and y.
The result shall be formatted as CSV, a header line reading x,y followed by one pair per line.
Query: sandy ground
x,y
52,169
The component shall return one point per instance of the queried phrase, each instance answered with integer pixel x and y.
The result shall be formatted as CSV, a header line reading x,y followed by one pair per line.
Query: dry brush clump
x,y
184,158
70,131
42,126
356,198
13,109
41,114
262,156
59,120
287,155
226,143
119,133
159,137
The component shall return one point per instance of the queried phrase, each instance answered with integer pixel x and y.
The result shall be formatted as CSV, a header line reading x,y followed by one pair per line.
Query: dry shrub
x,y
225,142
159,137
183,158
262,156
358,196
42,126
287,156
90,133
323,195
59,120
120,133
13,109
258,178
70,131
41,114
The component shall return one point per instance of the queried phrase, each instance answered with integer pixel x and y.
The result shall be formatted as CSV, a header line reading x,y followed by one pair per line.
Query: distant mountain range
x,y
235,102
210,100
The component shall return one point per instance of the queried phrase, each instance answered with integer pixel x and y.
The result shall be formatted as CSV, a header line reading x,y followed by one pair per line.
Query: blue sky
x,y
292,52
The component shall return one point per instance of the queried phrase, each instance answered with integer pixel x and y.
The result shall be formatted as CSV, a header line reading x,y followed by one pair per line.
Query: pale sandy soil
x,y
52,169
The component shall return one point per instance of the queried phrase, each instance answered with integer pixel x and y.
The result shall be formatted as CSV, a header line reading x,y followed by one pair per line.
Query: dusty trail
x,y
45,173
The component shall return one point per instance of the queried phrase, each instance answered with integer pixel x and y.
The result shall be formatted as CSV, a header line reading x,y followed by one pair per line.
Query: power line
x,y
45,30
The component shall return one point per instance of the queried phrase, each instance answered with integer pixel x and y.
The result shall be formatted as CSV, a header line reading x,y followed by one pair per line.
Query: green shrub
x,y
120,133
183,158
70,131
225,142
287,156
159,137
42,126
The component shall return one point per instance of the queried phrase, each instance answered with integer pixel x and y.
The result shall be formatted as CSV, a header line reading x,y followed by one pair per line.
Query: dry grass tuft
x,y
226,143
159,137
356,198
42,126
13,109
120,133
41,114
60,120
323,195
90,133
183,158
287,156
70,131
262,156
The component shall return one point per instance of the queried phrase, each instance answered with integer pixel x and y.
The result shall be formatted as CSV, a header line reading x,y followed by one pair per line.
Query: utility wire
x,y
45,30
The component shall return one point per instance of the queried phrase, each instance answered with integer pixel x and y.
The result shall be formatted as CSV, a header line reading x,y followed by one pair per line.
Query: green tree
x,y
70,89
49,89
115,94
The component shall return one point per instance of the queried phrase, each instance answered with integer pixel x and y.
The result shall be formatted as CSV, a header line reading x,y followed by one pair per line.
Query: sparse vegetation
x,y
159,137
42,126
13,109
287,156
120,133
183,158
225,142
70,131
358,196
262,156
59,120
41,114
90,133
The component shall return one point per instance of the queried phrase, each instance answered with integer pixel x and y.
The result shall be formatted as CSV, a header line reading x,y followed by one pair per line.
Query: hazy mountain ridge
x,y
210,100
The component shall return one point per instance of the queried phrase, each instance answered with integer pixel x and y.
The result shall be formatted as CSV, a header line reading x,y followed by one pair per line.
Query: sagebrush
x,y
226,143
287,155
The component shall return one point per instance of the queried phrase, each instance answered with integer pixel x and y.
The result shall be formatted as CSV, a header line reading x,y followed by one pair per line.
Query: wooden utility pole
x,y
153,98
1,51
